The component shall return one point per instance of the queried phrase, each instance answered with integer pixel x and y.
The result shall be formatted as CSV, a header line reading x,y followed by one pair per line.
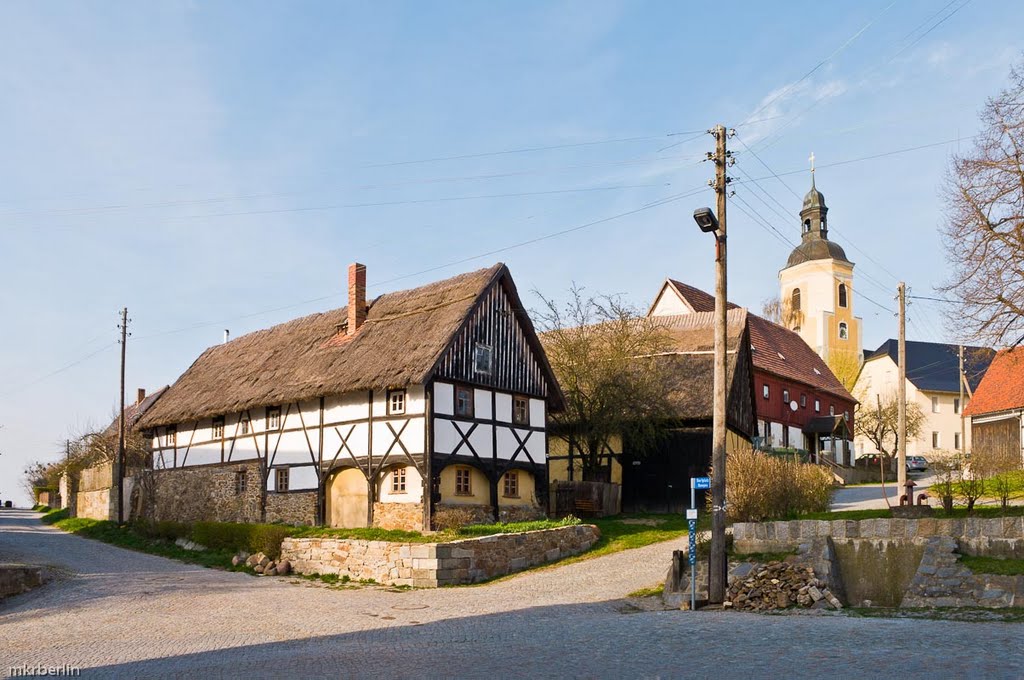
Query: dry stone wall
x,y
206,493
430,565
404,516
942,581
294,507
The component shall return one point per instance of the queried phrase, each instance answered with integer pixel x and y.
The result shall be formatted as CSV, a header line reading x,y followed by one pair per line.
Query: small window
x,y
766,391
935,404
846,416
935,440
842,295
464,402
956,406
243,425
512,484
785,397
274,418
171,437
844,331
831,409
817,406
218,428
462,483
281,479
794,303
396,402
482,359
956,441
520,410
398,481
803,401
240,482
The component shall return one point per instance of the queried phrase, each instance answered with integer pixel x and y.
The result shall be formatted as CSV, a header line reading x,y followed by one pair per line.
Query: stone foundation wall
x,y
296,507
404,516
521,513
430,565
206,493
446,513
1002,536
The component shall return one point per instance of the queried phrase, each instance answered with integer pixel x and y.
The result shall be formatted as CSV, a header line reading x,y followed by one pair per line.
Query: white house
x,y
388,413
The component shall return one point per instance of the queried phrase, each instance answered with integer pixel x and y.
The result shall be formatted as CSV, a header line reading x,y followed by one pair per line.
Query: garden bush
x,y
164,530
252,538
760,487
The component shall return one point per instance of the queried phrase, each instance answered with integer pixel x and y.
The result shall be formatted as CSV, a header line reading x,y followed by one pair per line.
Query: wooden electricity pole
x,y
963,425
901,396
120,421
718,567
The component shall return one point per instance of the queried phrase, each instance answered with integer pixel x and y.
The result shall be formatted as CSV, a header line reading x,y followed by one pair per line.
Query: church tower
x,y
816,288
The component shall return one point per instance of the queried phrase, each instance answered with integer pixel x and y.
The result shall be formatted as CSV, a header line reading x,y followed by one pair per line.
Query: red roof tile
x,y
1002,388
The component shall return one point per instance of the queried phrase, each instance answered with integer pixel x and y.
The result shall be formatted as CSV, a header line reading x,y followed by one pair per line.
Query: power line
x,y
933,299
66,367
849,41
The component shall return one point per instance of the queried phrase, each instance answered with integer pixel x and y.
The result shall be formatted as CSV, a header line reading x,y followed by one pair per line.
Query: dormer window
x,y
482,356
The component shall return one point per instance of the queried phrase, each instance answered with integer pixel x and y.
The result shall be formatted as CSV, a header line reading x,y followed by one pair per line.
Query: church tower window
x,y
844,331
842,295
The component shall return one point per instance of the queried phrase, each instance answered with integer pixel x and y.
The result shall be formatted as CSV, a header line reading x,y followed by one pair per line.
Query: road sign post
x,y
691,516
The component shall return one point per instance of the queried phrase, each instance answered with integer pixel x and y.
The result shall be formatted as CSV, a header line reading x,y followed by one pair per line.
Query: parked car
x,y
916,464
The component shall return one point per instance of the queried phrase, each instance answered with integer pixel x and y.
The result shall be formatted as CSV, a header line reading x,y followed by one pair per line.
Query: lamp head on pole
x,y
706,220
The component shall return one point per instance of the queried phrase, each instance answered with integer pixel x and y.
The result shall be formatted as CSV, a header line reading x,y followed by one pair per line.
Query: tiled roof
x,y
1002,388
935,366
797,362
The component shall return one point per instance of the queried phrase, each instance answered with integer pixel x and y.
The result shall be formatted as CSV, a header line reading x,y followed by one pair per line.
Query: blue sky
x,y
203,163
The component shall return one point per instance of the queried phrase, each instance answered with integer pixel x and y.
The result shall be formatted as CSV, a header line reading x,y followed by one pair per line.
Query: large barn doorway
x,y
660,481
347,498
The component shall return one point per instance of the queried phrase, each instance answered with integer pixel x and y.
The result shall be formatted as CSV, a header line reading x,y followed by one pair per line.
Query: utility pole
x,y
718,567
120,421
963,425
901,395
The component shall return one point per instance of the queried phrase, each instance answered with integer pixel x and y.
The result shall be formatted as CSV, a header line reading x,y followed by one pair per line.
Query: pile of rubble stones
x,y
779,585
263,565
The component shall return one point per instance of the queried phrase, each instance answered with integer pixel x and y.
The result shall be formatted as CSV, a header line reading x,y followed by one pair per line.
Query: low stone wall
x,y
1001,537
15,579
404,516
295,507
429,565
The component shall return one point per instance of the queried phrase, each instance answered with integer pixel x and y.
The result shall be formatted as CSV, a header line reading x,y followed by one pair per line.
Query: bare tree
x,y
845,365
880,426
606,357
781,312
984,229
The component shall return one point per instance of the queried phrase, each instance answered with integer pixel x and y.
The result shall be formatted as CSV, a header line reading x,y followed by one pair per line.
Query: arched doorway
x,y
347,499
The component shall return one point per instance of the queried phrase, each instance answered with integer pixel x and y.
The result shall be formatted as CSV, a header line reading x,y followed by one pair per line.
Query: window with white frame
x,y
935,404
240,482
935,440
281,479
218,427
766,391
171,436
956,441
274,418
803,401
482,357
817,406
785,397
243,425
396,402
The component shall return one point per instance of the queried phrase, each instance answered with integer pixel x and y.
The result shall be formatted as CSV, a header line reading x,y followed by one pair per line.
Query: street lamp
x,y
705,219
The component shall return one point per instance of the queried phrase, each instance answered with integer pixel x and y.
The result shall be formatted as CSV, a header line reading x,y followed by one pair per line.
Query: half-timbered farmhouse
x,y
384,413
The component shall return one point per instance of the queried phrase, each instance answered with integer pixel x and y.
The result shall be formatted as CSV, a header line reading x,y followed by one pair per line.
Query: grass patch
x,y
993,565
54,515
515,527
127,537
656,591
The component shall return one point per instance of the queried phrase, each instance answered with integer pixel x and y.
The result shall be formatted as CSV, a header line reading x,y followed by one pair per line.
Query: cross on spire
x,y
811,159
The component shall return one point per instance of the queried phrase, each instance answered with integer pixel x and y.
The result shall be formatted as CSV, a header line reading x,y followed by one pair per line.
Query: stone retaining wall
x,y
1001,536
404,516
942,581
294,507
429,565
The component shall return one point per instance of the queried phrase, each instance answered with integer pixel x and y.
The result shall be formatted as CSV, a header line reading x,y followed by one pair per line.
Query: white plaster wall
x,y
537,415
482,404
503,406
444,399
668,303
413,487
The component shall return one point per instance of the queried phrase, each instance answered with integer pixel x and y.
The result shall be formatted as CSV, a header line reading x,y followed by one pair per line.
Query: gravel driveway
x,y
116,613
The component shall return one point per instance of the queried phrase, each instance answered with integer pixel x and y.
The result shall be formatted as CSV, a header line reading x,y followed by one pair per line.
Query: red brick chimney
x,y
356,297
141,396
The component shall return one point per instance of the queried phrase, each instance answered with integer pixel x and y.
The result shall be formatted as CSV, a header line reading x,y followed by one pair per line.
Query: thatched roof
x,y
133,413
691,362
400,343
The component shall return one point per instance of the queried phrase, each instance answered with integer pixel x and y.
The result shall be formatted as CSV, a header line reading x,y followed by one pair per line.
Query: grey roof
x,y
816,249
814,198
935,366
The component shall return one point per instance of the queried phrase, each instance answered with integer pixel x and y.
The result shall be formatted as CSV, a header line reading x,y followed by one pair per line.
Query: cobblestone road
x,y
117,613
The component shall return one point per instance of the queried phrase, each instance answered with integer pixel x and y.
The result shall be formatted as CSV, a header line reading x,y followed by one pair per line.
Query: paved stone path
x,y
117,613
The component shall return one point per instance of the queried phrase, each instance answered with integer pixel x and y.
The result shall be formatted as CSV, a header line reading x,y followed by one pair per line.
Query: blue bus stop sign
x,y
701,482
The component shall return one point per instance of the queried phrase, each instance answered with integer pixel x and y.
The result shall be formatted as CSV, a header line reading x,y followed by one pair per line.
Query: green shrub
x,y
164,530
252,538
760,487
